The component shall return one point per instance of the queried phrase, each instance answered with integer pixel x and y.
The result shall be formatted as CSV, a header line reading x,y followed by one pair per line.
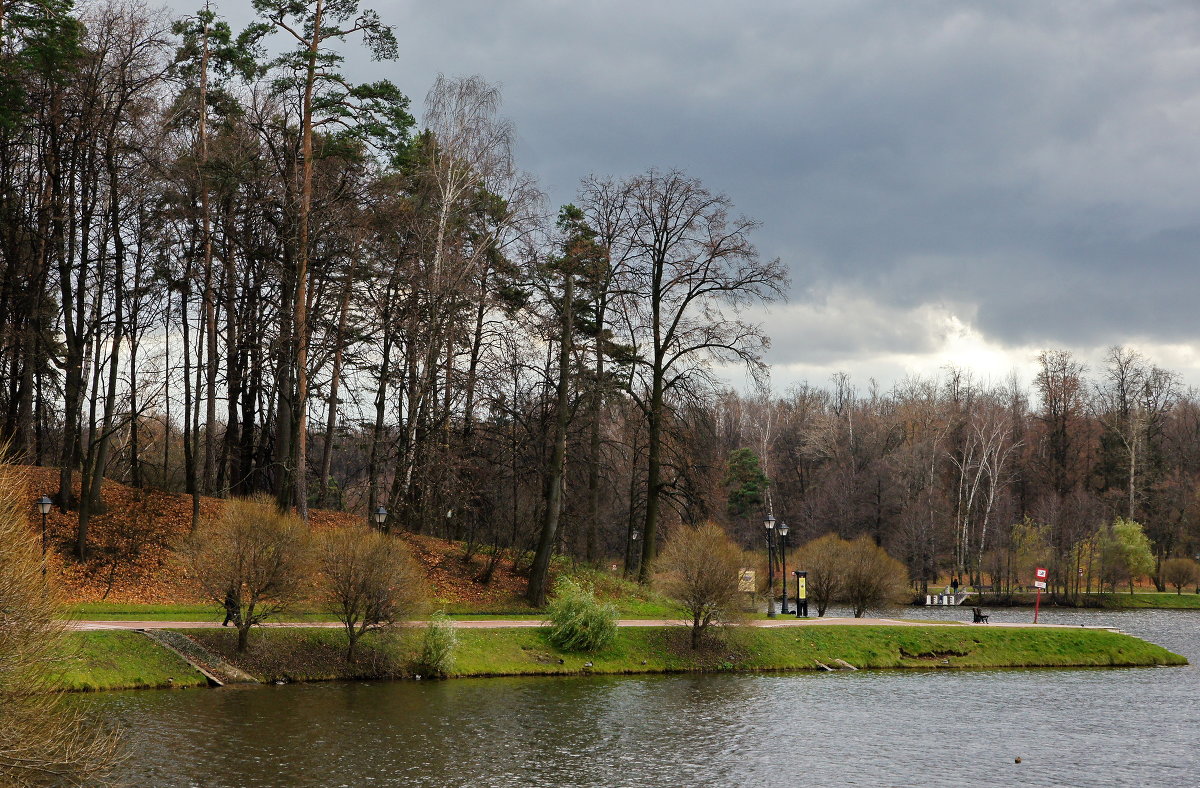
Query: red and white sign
x,y
1040,578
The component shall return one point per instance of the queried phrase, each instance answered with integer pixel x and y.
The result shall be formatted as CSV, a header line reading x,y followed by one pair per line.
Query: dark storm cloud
x,y
1033,164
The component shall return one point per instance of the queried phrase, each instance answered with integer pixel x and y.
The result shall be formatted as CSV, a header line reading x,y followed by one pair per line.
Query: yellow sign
x,y
802,590
746,580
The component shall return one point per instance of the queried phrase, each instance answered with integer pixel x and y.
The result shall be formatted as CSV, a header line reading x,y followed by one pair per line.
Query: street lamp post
x,y
380,516
783,532
769,523
43,505
634,555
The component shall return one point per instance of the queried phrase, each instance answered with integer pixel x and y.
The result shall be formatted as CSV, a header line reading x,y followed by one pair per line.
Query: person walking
x,y
954,585
231,607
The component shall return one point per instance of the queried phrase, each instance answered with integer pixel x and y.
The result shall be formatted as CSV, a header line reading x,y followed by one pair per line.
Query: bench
x,y
979,616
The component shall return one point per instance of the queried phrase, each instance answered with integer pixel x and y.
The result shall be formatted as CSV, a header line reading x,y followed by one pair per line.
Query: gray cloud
x,y
1032,163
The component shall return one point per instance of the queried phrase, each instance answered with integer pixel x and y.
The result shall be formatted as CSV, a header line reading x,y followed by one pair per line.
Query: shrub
x,y
43,741
699,569
252,560
370,580
823,559
437,647
871,577
578,622
1180,572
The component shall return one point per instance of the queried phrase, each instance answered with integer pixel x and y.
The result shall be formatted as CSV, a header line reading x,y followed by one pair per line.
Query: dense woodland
x,y
227,270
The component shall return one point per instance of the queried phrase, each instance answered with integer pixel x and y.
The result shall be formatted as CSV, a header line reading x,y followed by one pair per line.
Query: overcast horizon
x,y
946,182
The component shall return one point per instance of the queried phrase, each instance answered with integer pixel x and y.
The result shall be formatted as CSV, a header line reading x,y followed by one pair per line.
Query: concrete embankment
x,y
120,660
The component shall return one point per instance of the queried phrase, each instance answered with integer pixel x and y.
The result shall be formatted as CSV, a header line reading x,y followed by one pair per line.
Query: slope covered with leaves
x,y
133,550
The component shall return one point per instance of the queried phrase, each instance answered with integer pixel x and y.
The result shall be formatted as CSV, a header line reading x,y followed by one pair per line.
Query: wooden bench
x,y
979,616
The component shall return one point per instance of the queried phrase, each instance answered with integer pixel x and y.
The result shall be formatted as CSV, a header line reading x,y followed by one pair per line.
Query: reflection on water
x,y
1069,727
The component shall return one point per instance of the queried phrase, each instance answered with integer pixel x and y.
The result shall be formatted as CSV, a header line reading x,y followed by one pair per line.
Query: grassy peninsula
x,y
119,660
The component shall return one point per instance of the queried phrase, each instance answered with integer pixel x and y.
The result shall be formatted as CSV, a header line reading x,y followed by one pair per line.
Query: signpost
x,y
746,581
801,593
1039,582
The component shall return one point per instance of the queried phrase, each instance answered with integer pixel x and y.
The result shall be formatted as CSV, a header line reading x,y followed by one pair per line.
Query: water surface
x,y
1136,726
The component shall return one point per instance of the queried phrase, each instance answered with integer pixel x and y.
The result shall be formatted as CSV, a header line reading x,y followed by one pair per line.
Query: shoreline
x,y
111,659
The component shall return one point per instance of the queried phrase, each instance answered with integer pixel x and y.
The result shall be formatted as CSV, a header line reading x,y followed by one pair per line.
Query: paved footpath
x,y
525,623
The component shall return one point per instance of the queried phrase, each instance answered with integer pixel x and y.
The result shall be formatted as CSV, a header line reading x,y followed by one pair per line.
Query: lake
x,y
1073,727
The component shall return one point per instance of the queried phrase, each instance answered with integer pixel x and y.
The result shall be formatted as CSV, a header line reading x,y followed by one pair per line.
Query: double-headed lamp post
x,y
783,531
380,516
43,505
769,523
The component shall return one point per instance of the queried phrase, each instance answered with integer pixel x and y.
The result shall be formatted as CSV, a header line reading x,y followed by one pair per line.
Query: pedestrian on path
x,y
231,607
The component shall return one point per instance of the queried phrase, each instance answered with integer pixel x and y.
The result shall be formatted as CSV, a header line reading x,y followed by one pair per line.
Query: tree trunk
x,y
334,381
536,593
653,479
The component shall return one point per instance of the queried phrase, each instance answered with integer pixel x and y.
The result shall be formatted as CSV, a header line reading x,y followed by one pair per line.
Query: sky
x,y
962,183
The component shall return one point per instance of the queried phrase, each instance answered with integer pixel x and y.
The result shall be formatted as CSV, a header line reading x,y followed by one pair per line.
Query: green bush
x,y
577,621
437,648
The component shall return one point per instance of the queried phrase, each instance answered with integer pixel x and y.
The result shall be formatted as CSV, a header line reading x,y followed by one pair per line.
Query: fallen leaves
x,y
133,549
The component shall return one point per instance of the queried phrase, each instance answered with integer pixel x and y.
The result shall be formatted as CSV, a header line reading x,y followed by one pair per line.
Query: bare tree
x,y
691,271
1180,572
871,577
824,561
699,569
252,560
371,581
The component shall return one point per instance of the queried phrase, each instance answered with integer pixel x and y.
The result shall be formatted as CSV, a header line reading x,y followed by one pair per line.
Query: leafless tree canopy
x,y
252,560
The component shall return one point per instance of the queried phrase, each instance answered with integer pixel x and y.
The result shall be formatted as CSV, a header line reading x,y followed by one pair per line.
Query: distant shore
x,y
1141,600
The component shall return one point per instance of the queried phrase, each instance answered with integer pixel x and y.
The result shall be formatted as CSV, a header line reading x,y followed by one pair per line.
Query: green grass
x,y
519,652
127,660
120,660
632,599
319,654
1167,600
125,611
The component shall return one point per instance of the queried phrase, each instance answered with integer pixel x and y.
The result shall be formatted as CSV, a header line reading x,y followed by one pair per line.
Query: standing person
x,y
954,585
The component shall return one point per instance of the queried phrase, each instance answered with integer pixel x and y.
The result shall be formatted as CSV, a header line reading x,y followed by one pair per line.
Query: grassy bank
x,y
319,654
116,660
526,652
120,660
1167,600
1142,600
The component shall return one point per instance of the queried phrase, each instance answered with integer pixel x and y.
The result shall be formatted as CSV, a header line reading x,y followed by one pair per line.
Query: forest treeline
x,y
230,270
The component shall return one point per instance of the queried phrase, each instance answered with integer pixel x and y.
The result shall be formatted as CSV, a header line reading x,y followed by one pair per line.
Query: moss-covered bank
x,y
114,660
